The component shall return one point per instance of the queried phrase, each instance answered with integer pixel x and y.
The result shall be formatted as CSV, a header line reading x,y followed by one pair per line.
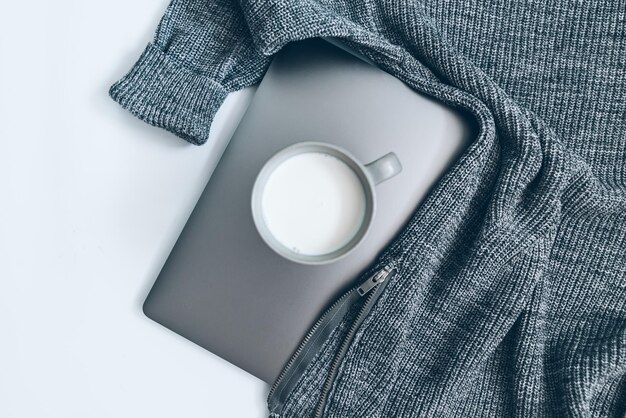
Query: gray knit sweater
x,y
510,292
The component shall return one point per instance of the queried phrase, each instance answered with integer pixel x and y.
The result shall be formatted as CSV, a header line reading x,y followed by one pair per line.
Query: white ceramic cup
x,y
369,175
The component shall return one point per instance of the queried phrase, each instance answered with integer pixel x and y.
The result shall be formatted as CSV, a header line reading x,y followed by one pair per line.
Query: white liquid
x,y
313,203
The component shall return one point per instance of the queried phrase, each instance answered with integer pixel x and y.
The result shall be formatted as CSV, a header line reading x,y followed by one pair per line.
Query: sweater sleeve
x,y
202,50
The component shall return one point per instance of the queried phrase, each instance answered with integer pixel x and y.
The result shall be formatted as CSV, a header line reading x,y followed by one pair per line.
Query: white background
x,y
91,202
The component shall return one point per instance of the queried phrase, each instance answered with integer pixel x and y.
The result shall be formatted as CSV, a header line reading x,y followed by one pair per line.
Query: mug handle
x,y
384,168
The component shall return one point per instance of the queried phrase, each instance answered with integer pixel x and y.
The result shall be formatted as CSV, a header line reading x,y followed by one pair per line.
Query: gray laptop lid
x,y
221,286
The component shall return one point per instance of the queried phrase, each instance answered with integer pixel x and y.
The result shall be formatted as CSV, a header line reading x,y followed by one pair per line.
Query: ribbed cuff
x,y
163,93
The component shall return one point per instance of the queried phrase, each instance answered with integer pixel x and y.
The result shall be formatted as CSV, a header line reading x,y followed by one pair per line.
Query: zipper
x,y
317,335
376,283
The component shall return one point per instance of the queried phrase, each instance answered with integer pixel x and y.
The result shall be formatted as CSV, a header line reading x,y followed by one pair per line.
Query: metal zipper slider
x,y
373,282
376,279
318,334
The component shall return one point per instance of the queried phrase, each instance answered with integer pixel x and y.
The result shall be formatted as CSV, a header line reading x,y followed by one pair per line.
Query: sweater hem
x,y
164,93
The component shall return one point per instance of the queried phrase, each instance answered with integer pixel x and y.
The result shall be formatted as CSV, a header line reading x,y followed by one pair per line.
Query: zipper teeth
x,y
305,340
340,354
312,331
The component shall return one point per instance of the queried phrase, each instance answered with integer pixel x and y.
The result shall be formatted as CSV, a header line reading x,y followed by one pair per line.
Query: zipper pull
x,y
376,279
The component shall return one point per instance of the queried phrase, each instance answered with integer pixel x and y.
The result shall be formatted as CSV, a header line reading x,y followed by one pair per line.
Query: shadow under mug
x,y
369,176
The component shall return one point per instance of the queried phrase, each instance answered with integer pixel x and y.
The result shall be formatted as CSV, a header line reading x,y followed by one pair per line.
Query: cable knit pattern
x,y
510,297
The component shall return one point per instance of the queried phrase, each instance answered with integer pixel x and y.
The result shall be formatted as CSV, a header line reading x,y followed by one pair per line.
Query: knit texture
x,y
510,297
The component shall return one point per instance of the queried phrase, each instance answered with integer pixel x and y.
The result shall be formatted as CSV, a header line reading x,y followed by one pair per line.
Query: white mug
x,y
366,176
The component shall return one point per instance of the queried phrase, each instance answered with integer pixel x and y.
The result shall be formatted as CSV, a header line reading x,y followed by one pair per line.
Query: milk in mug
x,y
313,203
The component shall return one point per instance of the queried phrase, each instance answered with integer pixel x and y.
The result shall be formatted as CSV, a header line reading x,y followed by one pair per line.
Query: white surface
x,y
313,203
92,201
